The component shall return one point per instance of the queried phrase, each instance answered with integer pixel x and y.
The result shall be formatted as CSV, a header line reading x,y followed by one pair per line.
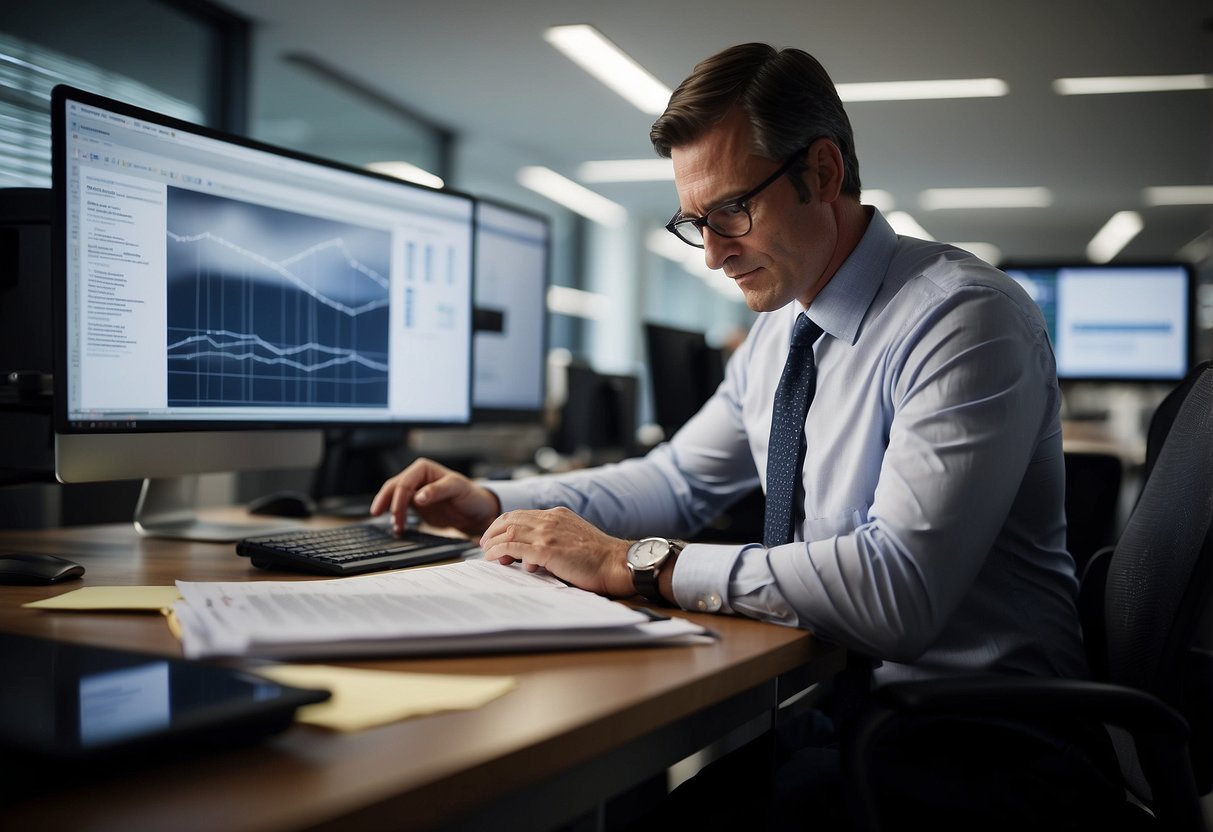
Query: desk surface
x,y
578,727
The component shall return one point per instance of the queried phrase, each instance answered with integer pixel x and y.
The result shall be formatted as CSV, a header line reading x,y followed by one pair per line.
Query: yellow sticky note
x,y
111,598
365,698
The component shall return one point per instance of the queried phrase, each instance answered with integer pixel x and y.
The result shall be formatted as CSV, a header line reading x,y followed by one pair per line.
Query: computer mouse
x,y
36,568
284,504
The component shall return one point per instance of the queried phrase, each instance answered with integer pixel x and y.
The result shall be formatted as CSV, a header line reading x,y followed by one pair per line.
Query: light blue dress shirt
x,y
933,535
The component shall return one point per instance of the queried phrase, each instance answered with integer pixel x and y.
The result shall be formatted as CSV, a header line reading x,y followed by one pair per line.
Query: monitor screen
x,y
599,414
512,255
684,372
1121,322
214,296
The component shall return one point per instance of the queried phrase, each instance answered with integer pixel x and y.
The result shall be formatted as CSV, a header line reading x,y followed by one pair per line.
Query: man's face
x,y
785,255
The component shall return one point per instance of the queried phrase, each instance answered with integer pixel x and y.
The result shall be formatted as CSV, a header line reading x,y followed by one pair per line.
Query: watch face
x,y
648,552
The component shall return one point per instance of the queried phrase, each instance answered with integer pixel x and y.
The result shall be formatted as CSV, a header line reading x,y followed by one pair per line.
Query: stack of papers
x,y
472,606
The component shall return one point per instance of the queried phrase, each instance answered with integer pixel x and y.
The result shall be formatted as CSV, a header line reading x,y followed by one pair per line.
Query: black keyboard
x,y
348,550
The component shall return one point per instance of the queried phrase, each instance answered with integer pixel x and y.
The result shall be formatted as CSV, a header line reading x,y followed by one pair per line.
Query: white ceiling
x,y
484,70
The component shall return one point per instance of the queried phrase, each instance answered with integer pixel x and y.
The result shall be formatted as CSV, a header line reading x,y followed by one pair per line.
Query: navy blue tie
x,y
786,449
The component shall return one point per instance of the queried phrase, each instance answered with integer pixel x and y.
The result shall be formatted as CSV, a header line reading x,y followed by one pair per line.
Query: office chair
x,y
1143,603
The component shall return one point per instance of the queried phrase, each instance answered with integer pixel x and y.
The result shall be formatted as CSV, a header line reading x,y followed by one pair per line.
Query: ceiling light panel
x,y
918,90
1114,236
883,201
938,199
589,49
1131,83
904,224
627,170
573,196
1178,195
408,172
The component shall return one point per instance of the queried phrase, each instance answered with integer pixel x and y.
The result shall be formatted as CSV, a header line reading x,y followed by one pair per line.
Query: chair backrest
x,y
1160,576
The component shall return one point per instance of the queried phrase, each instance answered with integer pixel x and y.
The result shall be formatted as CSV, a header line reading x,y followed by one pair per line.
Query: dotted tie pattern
x,y
786,449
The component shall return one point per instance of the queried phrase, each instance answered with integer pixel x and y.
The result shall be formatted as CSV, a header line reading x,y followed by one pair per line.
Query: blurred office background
x,y
1030,158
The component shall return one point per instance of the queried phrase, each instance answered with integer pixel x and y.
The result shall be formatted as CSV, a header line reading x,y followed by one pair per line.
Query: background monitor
x,y
598,419
1118,322
684,372
206,283
513,249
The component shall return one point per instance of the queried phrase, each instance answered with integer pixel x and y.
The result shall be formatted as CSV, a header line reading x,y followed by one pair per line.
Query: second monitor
x,y
512,254
684,371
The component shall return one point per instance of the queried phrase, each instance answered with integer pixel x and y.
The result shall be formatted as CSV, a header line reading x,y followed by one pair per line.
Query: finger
x,y
402,488
505,528
448,487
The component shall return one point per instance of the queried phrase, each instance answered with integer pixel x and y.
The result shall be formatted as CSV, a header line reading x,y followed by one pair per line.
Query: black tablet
x,y
71,702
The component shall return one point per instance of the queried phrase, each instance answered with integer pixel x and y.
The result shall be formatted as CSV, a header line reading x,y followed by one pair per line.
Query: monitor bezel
x,y
1190,323
60,95
499,415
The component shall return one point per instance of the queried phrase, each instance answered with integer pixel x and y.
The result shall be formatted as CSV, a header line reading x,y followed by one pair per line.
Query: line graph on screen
x,y
273,307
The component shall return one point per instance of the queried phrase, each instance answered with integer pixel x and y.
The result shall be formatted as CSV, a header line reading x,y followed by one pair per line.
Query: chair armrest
x,y
1160,732
1130,708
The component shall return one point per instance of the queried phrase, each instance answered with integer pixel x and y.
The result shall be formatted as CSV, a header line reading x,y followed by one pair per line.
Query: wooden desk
x,y
579,727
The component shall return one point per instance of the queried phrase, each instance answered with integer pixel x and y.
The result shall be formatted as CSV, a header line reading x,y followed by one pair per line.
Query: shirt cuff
x,y
701,577
512,494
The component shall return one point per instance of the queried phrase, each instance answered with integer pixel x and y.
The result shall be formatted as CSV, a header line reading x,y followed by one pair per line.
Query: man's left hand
x,y
562,542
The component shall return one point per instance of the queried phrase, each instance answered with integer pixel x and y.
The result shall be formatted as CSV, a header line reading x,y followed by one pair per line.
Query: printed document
x,y
472,606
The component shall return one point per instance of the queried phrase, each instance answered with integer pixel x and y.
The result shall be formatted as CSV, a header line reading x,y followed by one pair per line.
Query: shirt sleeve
x,y
970,397
675,490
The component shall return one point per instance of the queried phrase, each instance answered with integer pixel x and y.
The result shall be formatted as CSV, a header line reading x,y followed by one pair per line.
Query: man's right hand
x,y
442,497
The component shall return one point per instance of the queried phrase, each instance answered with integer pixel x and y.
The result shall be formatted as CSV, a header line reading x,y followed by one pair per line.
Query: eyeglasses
x,y
732,219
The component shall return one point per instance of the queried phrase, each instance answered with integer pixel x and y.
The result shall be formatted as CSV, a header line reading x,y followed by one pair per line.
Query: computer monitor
x,y
513,248
599,414
684,372
219,302
1116,322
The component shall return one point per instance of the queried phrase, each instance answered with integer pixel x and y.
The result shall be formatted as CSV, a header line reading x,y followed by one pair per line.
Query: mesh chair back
x,y
1158,581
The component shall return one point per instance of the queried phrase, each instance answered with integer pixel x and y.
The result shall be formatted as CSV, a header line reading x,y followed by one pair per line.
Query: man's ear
x,y
824,170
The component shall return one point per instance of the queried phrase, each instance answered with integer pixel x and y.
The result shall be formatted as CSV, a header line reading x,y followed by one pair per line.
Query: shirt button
x,y
709,603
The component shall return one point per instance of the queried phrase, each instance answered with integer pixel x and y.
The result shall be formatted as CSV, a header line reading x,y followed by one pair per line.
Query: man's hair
x,y
786,94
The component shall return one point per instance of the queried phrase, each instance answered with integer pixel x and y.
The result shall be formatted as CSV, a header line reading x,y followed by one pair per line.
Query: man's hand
x,y
566,545
442,497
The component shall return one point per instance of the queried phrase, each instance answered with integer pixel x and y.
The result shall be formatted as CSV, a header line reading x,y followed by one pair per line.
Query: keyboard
x,y
348,550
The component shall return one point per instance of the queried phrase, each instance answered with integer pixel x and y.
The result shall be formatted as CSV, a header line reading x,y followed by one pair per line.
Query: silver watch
x,y
645,559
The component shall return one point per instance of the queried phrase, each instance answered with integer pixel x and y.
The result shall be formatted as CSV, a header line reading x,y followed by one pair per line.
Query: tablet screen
x,y
69,701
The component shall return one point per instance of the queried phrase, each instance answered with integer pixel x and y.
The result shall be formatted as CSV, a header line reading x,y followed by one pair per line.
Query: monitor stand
x,y
166,509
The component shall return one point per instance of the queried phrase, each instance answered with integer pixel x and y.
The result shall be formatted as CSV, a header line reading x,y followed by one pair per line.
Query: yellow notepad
x,y
112,598
366,698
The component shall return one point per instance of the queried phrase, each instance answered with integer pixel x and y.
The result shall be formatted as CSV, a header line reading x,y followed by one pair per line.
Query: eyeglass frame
x,y
740,202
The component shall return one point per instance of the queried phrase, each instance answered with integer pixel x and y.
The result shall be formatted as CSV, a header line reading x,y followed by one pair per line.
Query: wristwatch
x,y
645,559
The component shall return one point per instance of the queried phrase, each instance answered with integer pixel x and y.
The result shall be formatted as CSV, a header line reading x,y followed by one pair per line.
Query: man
x,y
915,514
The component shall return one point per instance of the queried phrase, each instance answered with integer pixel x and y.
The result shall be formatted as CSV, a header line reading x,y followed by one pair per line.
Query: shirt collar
x,y
841,305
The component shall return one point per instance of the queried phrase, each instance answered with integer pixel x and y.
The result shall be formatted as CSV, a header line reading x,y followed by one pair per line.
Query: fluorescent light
x,y
575,197
904,224
1114,236
1131,83
588,48
935,199
579,303
914,90
1178,195
408,172
1199,250
881,200
986,251
664,244
627,170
